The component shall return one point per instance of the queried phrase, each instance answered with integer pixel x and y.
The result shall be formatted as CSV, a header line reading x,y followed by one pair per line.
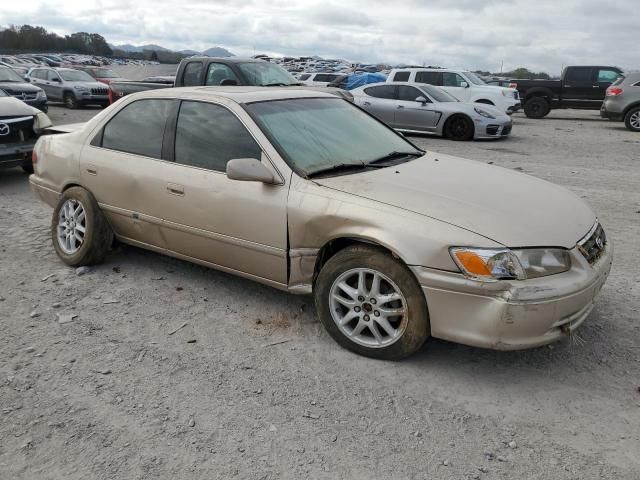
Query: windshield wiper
x,y
343,167
394,155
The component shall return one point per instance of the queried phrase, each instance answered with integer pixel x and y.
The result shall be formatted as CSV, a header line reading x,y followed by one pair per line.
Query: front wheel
x,y
459,127
371,303
632,119
80,232
70,101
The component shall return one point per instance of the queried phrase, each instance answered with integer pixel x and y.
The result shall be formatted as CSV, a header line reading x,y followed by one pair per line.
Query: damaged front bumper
x,y
15,154
513,315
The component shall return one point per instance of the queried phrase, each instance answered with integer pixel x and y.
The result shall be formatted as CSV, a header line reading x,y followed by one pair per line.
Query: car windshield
x,y
317,134
105,73
267,74
474,78
438,94
9,75
75,76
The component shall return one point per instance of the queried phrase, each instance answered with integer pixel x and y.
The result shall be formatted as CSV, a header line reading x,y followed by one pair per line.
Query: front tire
x,y
70,101
371,303
459,128
80,232
537,107
632,119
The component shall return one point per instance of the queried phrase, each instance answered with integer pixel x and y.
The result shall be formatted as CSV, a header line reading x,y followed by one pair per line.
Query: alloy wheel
x,y
368,307
71,227
634,120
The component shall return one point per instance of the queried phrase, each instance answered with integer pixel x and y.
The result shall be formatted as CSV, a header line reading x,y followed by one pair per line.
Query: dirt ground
x,y
253,388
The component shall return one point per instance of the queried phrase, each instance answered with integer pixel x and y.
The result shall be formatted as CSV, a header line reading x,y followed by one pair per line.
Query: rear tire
x,y
385,318
80,232
537,107
459,128
632,119
70,101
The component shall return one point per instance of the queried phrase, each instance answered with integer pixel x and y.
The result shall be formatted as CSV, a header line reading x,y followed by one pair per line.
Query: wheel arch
x,y
455,115
538,92
630,107
486,101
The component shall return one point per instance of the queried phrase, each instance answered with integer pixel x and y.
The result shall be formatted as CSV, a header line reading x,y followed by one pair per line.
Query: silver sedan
x,y
420,108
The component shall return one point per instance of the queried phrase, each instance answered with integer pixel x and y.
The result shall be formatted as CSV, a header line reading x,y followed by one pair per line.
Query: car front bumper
x,y
15,154
514,108
93,99
492,128
513,315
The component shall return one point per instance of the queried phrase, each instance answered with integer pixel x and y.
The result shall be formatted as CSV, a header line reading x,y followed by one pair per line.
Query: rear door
x,y
123,168
604,78
235,225
412,115
54,85
579,88
380,101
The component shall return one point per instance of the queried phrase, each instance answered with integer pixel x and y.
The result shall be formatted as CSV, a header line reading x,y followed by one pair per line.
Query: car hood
x,y
511,208
12,107
18,87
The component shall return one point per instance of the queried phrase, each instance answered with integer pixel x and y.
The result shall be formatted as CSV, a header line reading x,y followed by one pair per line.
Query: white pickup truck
x,y
464,85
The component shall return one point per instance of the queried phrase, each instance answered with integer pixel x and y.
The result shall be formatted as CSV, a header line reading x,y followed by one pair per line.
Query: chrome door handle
x,y
91,170
175,189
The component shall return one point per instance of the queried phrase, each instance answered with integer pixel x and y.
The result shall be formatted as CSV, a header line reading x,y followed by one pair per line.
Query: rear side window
x,y
401,76
381,91
138,128
208,136
51,75
192,74
304,77
325,77
578,75
452,80
607,76
432,78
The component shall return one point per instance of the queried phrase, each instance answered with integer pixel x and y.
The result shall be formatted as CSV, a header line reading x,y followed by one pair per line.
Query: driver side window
x,y
218,73
452,79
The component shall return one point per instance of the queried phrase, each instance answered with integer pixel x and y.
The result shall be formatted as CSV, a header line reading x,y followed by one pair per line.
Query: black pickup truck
x,y
579,87
229,71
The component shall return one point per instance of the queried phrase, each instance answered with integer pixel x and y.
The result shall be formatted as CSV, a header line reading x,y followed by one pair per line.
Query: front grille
x,y
99,91
16,130
26,96
593,244
492,129
506,130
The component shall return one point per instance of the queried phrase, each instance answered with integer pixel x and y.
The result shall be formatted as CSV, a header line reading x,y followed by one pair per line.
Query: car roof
x,y
237,94
225,59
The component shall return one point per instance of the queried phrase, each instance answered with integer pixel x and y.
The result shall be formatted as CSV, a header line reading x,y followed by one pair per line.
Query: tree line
x,y
37,39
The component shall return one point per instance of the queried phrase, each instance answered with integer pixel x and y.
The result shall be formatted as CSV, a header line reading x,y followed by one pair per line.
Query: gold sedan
x,y
308,193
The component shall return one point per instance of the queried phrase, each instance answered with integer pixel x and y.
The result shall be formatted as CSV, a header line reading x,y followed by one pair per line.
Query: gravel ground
x,y
93,384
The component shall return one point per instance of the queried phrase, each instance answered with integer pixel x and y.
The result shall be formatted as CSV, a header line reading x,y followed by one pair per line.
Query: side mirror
x,y
55,79
464,84
249,170
422,100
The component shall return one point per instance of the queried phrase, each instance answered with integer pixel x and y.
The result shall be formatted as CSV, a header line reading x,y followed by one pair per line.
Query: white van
x,y
464,85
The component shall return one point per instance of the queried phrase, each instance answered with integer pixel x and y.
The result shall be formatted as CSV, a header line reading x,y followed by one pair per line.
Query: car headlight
x,y
41,121
41,95
510,264
80,88
484,113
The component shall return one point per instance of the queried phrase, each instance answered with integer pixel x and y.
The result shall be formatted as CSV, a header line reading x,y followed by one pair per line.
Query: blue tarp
x,y
359,79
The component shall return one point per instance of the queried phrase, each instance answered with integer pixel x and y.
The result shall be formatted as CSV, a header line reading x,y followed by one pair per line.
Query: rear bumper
x,y
43,190
513,315
604,113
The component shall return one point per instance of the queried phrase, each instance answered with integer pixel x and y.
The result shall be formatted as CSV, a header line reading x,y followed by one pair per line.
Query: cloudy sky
x,y
476,34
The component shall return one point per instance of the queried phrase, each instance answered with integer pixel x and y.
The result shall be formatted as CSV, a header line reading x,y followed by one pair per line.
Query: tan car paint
x,y
273,233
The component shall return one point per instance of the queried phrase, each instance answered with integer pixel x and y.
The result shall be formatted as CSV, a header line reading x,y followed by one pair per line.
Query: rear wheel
x,y
371,303
537,107
70,101
79,229
632,119
459,127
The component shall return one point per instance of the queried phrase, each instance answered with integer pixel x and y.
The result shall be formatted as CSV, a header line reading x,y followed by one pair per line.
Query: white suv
x,y
464,85
318,79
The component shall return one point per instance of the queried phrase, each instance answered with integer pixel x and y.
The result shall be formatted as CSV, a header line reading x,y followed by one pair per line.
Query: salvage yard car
x,y
308,193
73,87
420,108
622,102
16,86
20,127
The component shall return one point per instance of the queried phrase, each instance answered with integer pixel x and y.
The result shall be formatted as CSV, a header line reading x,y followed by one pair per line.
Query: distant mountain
x,y
218,52
211,52
138,49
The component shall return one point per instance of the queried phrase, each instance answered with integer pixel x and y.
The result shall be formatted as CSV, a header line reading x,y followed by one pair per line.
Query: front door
x,y
412,115
240,226
54,85
578,89
457,86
